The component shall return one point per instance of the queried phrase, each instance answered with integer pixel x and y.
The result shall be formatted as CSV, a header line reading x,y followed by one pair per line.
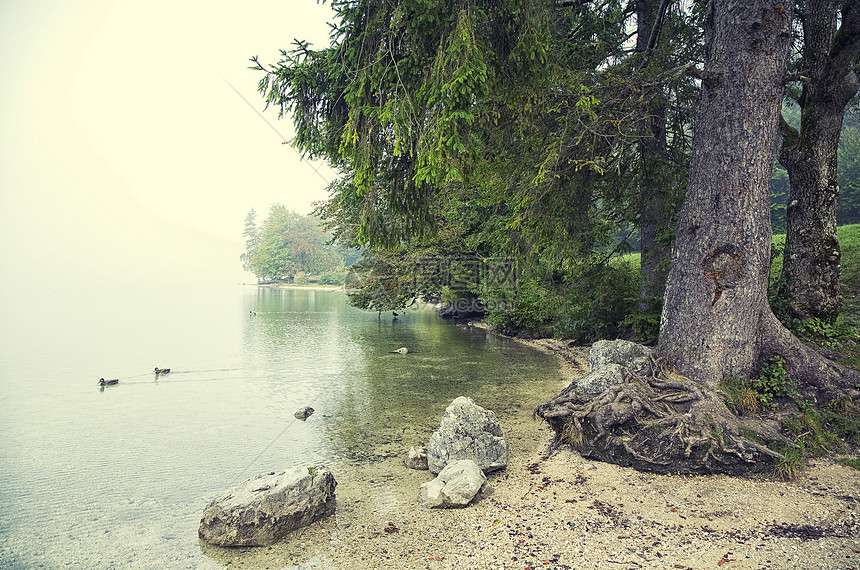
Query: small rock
x,y
416,458
304,413
455,486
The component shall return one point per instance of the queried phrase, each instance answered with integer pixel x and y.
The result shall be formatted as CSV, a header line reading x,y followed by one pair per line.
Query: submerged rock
x,y
467,431
263,510
416,458
455,486
304,413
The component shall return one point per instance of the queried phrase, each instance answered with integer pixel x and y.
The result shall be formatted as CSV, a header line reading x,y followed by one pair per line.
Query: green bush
x,y
332,278
773,382
584,307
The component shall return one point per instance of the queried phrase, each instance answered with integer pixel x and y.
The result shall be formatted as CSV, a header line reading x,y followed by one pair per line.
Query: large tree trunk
x,y
716,297
811,265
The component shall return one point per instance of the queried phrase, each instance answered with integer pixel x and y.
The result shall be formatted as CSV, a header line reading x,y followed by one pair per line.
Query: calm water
x,y
118,477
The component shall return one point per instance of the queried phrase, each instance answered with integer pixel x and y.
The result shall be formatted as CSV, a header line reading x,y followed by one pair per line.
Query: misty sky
x,y
123,151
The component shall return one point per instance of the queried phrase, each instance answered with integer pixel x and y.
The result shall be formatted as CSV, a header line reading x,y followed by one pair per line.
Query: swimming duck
x,y
403,350
103,382
161,370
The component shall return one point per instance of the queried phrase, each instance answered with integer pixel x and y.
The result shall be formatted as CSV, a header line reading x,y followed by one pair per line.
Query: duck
x,y
403,350
161,370
253,313
111,382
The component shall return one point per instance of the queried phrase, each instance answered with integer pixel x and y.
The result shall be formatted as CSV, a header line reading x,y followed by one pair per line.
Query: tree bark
x,y
716,297
811,266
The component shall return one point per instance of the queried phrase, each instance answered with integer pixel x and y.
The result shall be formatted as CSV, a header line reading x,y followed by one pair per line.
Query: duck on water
x,y
103,382
161,370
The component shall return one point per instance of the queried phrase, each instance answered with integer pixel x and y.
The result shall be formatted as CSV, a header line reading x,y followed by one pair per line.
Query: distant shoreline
x,y
294,286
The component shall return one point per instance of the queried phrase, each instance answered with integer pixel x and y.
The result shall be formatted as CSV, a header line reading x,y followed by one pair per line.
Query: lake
x,y
114,477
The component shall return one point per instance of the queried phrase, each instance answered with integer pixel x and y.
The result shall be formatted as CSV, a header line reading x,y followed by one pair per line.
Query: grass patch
x,y
742,399
854,463
824,431
790,465
571,435
751,435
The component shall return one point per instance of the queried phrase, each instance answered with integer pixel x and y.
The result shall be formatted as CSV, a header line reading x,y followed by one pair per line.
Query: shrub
x,y
773,382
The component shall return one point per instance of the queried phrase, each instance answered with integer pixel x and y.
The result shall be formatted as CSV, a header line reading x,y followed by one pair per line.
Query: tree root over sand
x,y
663,423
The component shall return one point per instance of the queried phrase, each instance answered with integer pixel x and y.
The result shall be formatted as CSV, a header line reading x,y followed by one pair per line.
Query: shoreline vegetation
x,y
553,509
306,287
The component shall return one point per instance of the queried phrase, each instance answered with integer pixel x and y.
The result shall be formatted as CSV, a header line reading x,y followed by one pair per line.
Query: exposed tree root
x,y
667,423
662,423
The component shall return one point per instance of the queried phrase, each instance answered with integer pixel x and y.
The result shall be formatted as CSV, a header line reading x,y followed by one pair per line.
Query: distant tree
x,y
666,37
849,175
289,243
252,237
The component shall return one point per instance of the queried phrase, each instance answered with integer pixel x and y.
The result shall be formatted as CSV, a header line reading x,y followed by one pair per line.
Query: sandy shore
x,y
557,510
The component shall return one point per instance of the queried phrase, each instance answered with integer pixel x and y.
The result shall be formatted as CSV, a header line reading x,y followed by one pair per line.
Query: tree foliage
x,y
490,129
285,244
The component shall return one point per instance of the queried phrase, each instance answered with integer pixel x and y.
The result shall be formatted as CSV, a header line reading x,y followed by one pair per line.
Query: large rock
x,y
455,486
612,362
467,431
265,509
634,357
599,379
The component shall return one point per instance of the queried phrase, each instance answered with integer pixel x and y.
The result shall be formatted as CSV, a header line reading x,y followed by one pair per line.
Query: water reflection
x,y
119,478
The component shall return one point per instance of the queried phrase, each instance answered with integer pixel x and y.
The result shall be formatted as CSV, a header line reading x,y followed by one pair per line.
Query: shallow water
x,y
118,476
